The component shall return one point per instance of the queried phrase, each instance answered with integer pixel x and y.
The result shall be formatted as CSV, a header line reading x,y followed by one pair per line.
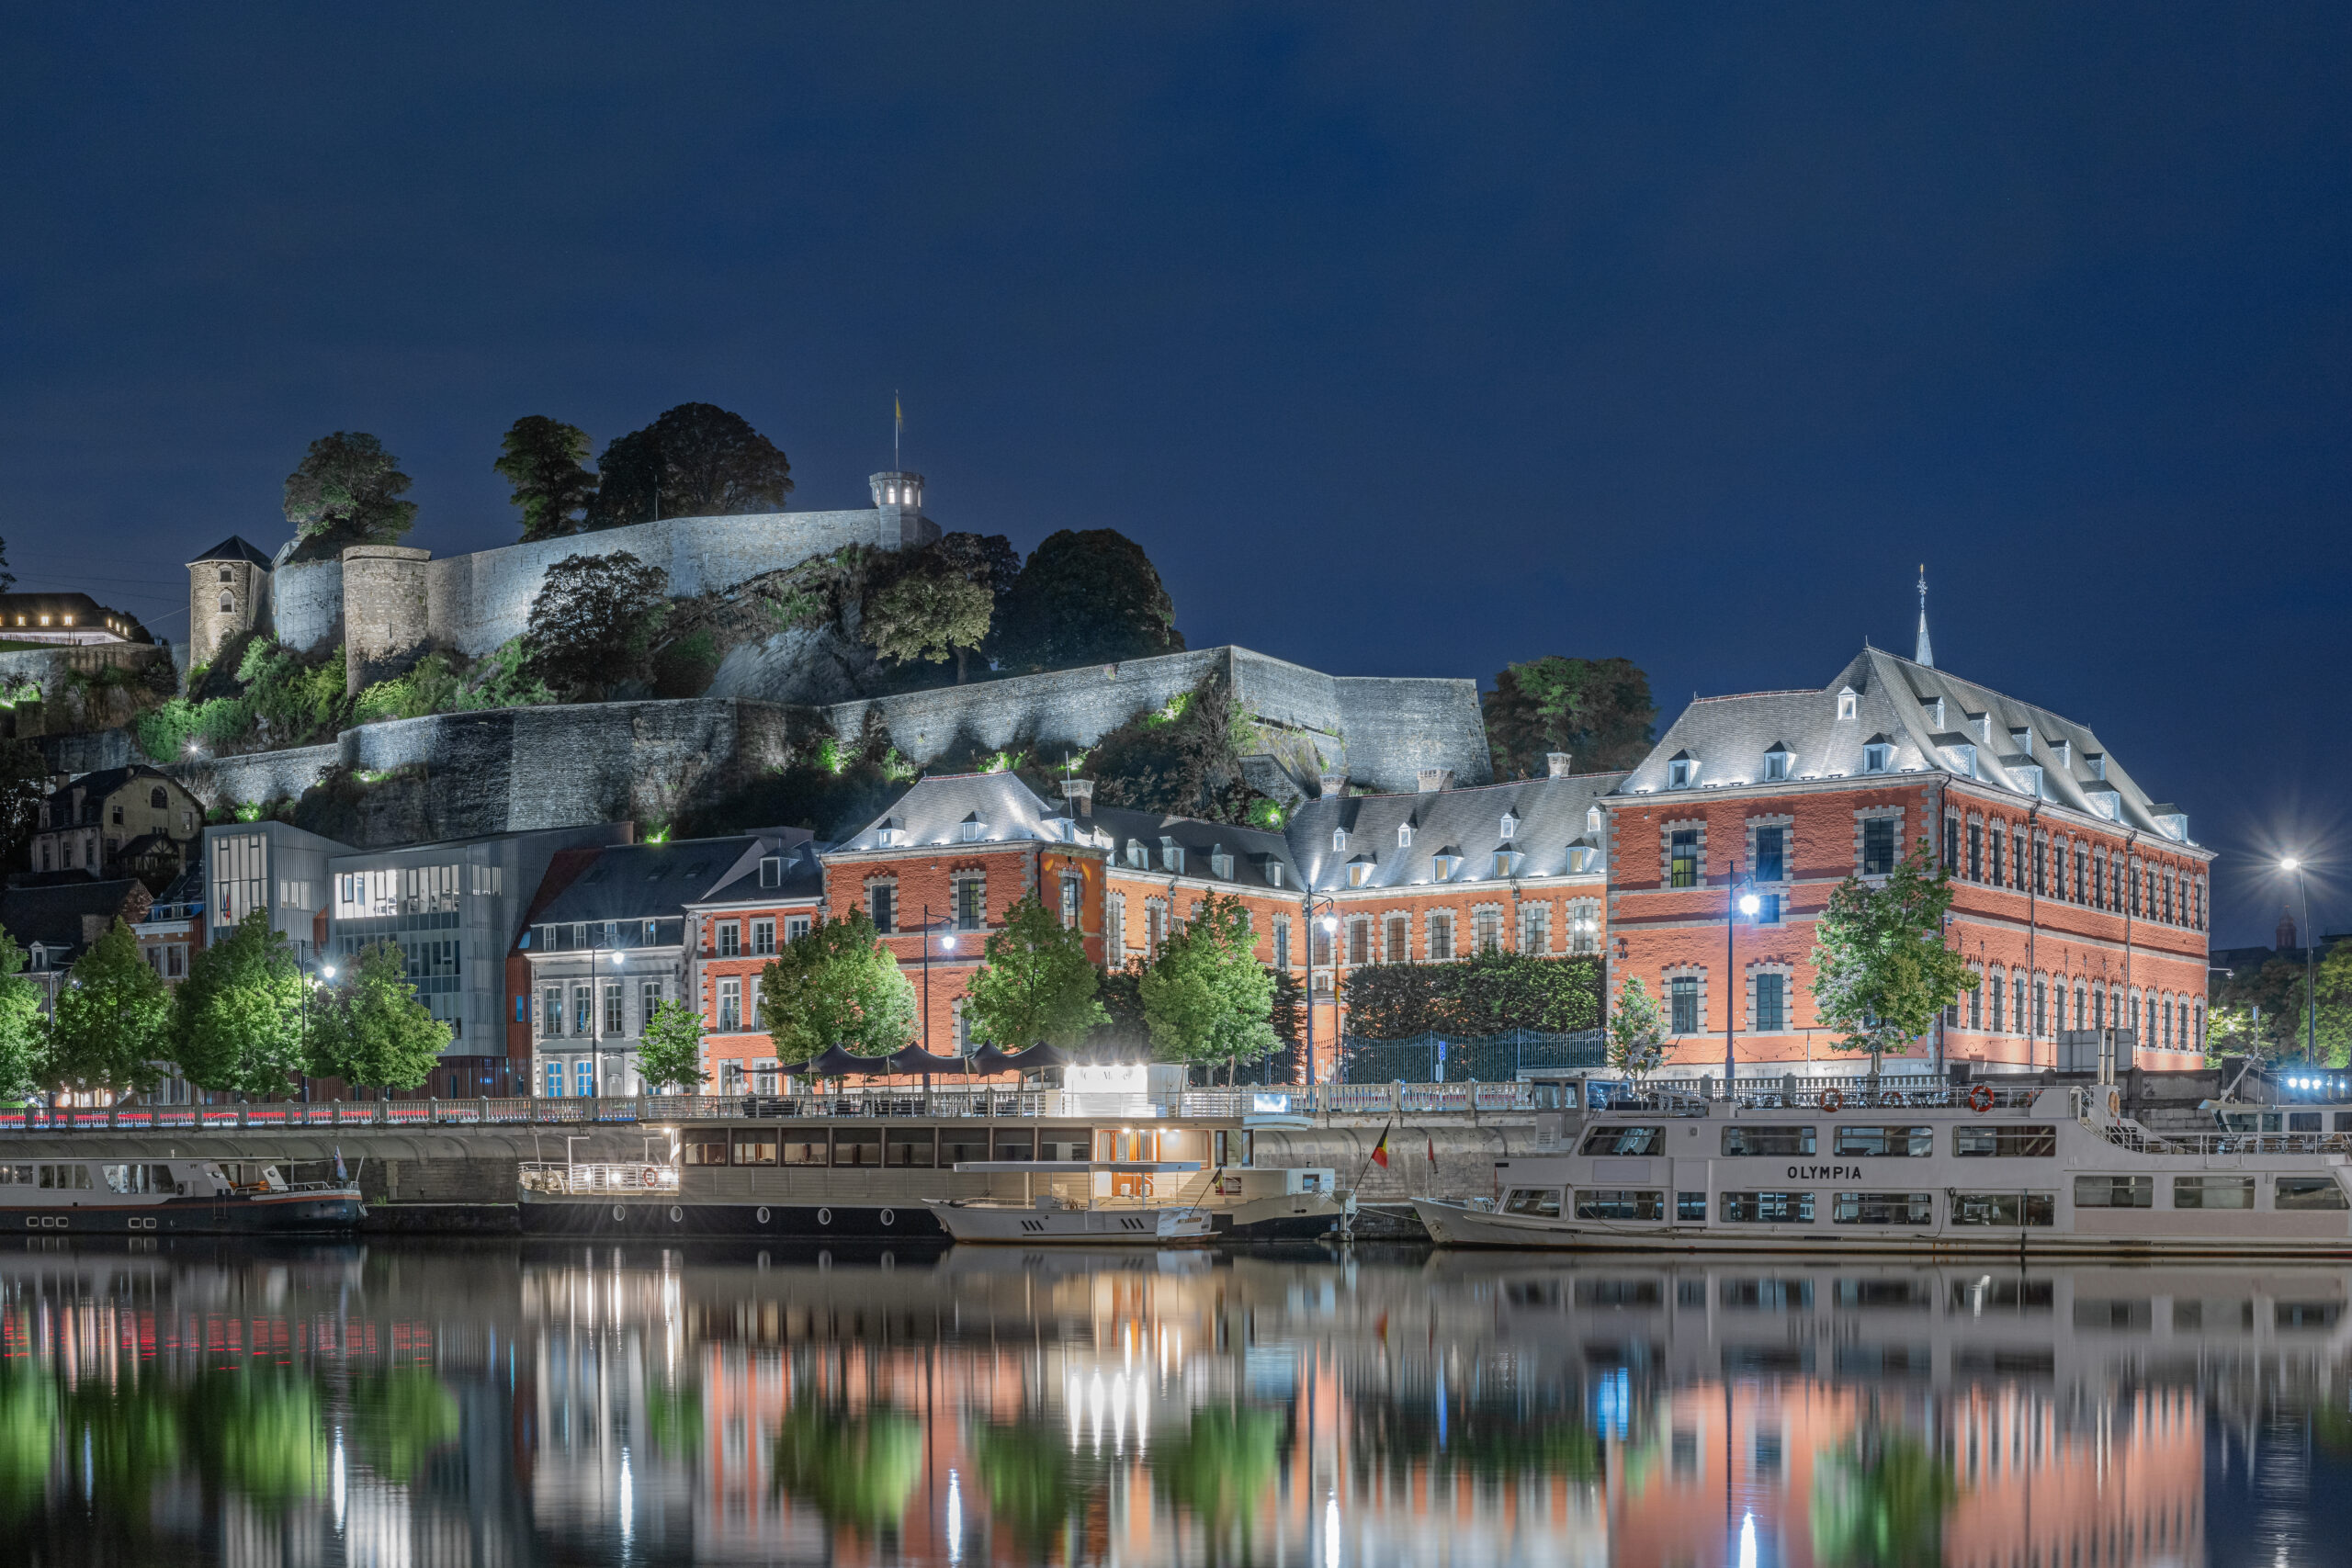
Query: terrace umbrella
x,y
836,1062
915,1059
988,1061
1038,1055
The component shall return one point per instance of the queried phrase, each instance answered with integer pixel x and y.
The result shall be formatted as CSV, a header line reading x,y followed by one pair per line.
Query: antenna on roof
x,y
1926,653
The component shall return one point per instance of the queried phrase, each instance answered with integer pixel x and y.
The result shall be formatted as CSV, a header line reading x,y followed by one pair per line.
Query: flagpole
x,y
1375,1149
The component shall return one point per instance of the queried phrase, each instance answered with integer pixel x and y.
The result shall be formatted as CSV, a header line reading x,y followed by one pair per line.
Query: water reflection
x,y
493,1404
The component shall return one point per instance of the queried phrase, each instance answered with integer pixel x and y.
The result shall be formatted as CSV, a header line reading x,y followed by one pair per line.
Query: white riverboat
x,y
2006,1169
164,1197
1088,1220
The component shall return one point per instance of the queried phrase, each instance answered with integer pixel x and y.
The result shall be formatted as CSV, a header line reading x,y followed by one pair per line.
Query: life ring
x,y
1832,1102
1980,1098
2115,1103
652,1177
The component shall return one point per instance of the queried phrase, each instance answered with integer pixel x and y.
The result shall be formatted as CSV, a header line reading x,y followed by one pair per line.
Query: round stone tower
x,y
228,592
385,613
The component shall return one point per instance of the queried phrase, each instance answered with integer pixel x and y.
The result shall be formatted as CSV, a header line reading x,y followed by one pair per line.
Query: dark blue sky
x,y
1406,340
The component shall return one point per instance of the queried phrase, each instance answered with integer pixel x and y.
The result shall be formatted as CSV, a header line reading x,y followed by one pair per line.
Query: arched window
x,y
228,601
158,799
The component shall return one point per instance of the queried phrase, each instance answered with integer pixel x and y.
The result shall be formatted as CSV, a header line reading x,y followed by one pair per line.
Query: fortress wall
x,y
1076,706
1399,726
480,600
305,603
258,776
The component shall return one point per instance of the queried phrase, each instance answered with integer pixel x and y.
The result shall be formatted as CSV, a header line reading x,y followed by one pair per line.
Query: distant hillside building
x,y
228,592
66,620
134,821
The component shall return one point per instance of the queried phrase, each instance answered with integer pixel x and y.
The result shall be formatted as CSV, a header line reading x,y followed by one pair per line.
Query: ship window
x,y
802,1146
1768,1140
2213,1191
905,1147
2114,1193
1541,1201
1767,1208
1880,1142
1614,1203
2013,1210
1690,1208
756,1149
2005,1142
2308,1192
857,1147
1882,1208
1623,1140
1016,1146
706,1149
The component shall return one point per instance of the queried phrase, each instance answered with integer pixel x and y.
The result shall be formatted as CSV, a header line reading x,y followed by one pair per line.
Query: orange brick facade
x,y
2090,950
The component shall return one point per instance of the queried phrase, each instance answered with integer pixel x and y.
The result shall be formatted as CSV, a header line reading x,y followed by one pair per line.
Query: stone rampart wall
x,y
479,600
1072,706
1409,725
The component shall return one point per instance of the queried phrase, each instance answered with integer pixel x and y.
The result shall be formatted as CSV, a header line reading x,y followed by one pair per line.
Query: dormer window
x,y
772,870
1964,758
1508,862
1339,840
1273,874
2023,741
1776,763
1848,703
2030,780
1404,835
1682,771
2108,803
2065,751
1936,714
891,835
1172,855
1582,858
2095,763
2173,825
1138,856
1220,863
1592,819
1360,872
1444,864
1510,826
1878,757
972,829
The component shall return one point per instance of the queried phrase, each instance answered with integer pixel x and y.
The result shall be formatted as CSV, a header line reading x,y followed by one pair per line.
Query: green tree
x,y
857,1471
238,1016
1880,1502
837,985
2271,997
1882,971
1090,597
928,613
24,782
368,1029
24,1032
1636,1033
593,625
552,490
696,460
1220,1468
399,1418
671,1056
1205,997
1037,983
111,1026
347,491
1596,710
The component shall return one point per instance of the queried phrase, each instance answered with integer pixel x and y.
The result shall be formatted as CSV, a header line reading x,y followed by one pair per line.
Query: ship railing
x,y
1357,1100
583,1178
2141,1140
1892,1094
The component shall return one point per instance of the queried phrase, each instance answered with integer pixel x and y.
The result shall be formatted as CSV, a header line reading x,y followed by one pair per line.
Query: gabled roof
x,y
51,915
1730,736
104,782
646,882
1456,822
233,547
804,877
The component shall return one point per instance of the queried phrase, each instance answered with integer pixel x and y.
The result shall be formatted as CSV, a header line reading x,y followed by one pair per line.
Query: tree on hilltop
x,y
542,462
592,626
696,460
1090,597
347,491
928,612
1596,710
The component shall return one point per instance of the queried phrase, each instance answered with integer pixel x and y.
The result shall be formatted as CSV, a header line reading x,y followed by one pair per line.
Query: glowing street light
x,y
2294,868
1749,903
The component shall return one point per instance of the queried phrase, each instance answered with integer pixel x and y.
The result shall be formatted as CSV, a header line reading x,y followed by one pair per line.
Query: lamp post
x,y
947,943
1330,929
2304,911
1736,904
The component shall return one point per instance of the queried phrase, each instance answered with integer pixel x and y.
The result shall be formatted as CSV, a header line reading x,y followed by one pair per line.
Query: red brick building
x,y
2082,902
734,932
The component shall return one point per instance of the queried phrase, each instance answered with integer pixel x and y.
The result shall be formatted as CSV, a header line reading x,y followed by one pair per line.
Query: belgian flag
x,y
1380,1150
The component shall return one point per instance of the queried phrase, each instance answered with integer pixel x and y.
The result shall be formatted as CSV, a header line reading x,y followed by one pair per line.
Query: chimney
x,y
1429,781
1334,785
1556,764
1079,793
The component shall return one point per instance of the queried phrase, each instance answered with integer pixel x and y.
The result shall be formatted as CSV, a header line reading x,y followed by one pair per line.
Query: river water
x,y
505,1403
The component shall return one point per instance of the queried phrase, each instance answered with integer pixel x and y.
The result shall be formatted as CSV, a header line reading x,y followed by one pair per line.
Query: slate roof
x,y
643,882
233,547
51,915
1552,815
804,876
933,808
88,613
1896,702
97,786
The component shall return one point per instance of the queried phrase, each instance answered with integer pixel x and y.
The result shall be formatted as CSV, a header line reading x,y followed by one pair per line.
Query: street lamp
x,y
1736,904
1330,923
2311,1014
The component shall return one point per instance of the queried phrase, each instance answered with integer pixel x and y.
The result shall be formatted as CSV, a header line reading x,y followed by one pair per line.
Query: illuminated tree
x,y
1636,1033
542,459
1037,983
1882,971
347,491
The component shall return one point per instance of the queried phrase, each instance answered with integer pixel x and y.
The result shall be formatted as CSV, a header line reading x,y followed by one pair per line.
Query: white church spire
x,y
1925,654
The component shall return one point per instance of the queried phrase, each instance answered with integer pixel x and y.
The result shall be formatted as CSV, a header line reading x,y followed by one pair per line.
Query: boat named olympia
x,y
2049,1170
1153,1181
165,1197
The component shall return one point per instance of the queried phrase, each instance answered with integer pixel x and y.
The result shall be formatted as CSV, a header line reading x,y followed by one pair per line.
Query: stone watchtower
x,y
228,592
898,496
386,613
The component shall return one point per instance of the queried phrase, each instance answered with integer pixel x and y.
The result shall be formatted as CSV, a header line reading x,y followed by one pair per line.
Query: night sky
x,y
1406,340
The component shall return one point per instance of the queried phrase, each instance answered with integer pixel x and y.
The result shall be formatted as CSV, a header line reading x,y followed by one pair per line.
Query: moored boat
x,y
188,1197
2013,1170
